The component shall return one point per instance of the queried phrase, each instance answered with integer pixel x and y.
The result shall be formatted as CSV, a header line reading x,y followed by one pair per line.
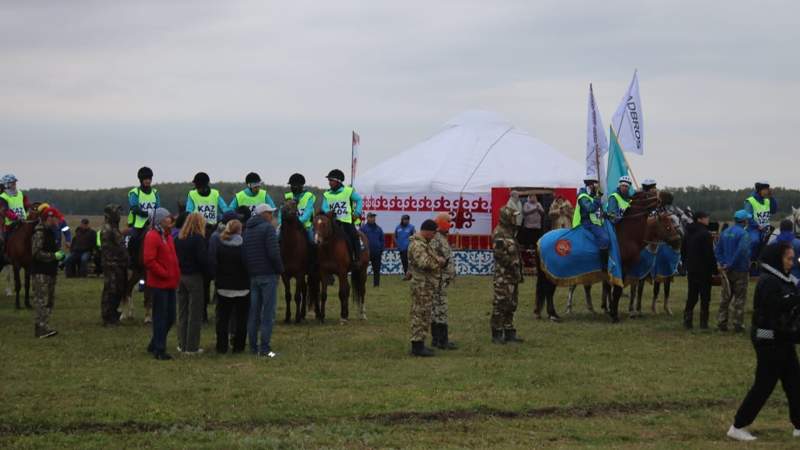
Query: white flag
x,y
596,141
354,157
628,121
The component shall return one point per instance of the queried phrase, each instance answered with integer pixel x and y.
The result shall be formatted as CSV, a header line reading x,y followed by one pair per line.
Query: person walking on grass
x,y
700,263
46,256
733,260
262,257
402,234
375,238
193,259
773,334
163,275
440,332
233,288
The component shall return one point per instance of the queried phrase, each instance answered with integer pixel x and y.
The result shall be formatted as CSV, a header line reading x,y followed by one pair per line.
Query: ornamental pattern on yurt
x,y
468,262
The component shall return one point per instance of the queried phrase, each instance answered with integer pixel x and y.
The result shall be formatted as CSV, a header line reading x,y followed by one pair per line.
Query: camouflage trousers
x,y
504,305
422,294
439,303
735,300
115,279
44,291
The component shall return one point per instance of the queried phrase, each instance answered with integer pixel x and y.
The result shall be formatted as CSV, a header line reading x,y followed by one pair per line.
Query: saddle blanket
x,y
570,257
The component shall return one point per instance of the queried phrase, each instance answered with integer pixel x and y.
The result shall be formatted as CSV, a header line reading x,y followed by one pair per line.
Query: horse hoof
x,y
363,317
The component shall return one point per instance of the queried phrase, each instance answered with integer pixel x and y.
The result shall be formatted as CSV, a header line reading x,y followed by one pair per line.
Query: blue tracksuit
x,y
755,233
733,249
402,236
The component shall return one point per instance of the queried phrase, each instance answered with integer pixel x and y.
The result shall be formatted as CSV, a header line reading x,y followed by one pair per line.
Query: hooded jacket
x,y
262,255
161,261
775,295
231,272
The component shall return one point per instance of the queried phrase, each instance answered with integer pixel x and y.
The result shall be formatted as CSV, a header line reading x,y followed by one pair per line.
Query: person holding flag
x,y
251,196
345,204
589,214
761,206
305,202
619,200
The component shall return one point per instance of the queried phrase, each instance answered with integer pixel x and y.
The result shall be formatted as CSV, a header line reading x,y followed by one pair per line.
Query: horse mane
x,y
290,218
642,202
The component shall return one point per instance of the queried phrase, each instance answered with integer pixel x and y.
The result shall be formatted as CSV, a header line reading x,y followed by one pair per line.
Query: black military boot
x,y
703,319
418,349
497,337
435,337
688,319
511,336
444,338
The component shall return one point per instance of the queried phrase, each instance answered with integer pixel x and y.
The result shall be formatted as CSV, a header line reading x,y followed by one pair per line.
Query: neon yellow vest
x,y
761,212
16,204
576,217
302,204
147,202
207,206
242,199
99,243
340,204
621,202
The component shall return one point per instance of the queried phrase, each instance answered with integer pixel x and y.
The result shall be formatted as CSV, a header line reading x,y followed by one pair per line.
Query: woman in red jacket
x,y
163,277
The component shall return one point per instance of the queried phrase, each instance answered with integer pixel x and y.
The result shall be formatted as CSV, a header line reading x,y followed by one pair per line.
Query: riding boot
x,y
418,349
688,318
435,338
511,336
497,337
444,338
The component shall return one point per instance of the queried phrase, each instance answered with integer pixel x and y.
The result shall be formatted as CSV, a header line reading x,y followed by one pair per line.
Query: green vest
x,y
147,202
761,212
621,202
340,204
99,243
242,199
16,204
576,217
302,204
207,206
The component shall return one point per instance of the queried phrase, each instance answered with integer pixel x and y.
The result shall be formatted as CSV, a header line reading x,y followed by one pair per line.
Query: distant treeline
x,y
720,203
92,202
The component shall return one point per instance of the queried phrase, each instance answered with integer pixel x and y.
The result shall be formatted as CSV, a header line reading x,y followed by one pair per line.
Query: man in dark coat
x,y
700,264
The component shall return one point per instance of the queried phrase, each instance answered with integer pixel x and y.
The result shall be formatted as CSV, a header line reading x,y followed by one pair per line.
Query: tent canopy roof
x,y
473,152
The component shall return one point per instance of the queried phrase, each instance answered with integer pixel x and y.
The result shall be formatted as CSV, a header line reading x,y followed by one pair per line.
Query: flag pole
x,y
596,143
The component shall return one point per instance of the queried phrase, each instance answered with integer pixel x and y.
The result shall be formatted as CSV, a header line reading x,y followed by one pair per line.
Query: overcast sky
x,y
92,90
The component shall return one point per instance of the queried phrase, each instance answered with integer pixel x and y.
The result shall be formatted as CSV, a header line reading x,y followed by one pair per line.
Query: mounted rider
x,y
143,200
649,185
345,204
762,206
589,215
253,195
14,203
206,201
305,202
620,200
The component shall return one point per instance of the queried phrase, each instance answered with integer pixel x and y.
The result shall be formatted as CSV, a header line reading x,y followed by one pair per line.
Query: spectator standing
x,y
46,256
262,257
402,235
733,260
192,257
83,244
787,235
374,235
560,212
700,264
516,204
115,261
233,288
532,218
163,277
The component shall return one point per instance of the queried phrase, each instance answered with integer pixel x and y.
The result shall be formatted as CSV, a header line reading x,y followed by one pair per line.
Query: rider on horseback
x,y
251,196
589,214
206,201
143,200
649,185
620,200
305,202
345,204
762,206
14,203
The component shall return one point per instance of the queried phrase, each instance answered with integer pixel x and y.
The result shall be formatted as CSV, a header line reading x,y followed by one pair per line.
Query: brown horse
x,y
296,259
19,252
333,256
136,273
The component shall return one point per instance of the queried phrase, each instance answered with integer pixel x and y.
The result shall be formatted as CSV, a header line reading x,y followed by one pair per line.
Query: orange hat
x,y
51,212
443,224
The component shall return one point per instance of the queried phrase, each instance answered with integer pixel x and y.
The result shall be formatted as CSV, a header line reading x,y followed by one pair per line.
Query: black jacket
x,y
699,250
192,255
231,272
262,256
775,298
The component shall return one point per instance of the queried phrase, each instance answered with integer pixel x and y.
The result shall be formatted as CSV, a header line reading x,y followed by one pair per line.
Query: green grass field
x,y
645,383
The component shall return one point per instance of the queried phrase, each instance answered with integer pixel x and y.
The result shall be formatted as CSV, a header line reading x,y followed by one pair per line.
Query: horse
x,y
136,272
333,257
295,252
20,254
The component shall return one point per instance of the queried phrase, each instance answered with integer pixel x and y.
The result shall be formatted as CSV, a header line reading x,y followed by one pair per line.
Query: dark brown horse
x,y
296,260
333,256
19,252
136,272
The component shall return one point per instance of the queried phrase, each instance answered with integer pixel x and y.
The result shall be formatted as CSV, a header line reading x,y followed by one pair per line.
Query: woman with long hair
x,y
192,256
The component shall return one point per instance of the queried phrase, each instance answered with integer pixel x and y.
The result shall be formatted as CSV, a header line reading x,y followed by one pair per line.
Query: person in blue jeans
x,y
402,237
374,235
262,257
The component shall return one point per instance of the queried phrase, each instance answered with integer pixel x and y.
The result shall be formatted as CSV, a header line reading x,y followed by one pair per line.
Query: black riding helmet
x,y
761,185
337,175
298,180
252,178
145,173
201,179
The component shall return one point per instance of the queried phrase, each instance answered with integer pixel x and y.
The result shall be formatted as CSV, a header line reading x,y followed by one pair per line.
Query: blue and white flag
x,y
628,120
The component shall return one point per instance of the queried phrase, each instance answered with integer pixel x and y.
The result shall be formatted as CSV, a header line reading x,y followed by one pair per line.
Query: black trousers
x,y
375,261
699,288
352,236
236,308
544,294
773,362
404,260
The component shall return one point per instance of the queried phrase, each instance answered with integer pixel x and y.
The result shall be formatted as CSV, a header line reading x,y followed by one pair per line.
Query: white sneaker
x,y
740,434
796,432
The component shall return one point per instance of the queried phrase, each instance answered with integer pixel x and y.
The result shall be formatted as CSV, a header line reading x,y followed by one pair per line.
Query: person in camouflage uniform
x,y
507,276
114,257
439,328
46,256
425,267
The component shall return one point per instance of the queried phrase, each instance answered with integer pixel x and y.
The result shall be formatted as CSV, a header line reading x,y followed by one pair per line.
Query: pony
x,y
295,252
19,250
333,257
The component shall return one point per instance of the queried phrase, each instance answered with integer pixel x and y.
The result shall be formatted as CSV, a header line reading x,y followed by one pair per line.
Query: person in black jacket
x,y
193,259
776,359
233,288
700,263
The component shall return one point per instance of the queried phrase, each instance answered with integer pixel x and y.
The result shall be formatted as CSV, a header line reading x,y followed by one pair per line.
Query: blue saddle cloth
x,y
644,268
570,257
667,261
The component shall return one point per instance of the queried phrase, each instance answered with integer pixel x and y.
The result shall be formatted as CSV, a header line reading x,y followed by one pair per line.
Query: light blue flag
x,y
617,166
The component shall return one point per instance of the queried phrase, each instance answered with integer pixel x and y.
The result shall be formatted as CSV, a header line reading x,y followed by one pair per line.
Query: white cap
x,y
262,208
649,182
